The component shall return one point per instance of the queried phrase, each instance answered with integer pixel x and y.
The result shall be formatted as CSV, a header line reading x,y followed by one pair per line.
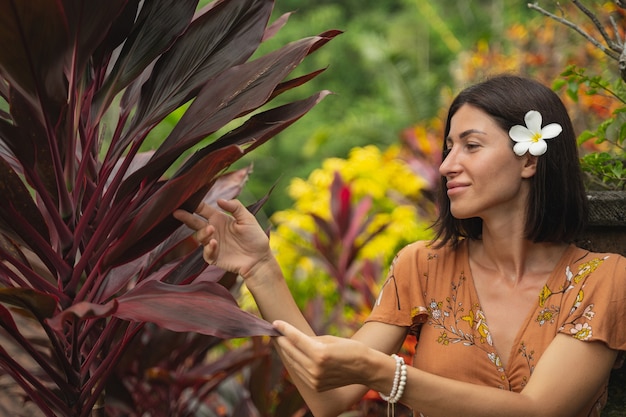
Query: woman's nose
x,y
448,163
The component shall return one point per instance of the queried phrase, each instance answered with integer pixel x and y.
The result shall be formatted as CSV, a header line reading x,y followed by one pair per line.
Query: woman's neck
x,y
514,257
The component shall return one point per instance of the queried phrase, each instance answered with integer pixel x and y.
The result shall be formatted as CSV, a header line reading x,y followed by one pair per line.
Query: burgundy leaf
x,y
228,186
325,232
336,204
83,311
236,91
358,221
162,203
139,160
203,307
158,25
119,278
261,127
41,305
88,27
30,65
117,34
277,25
31,147
213,43
18,204
232,93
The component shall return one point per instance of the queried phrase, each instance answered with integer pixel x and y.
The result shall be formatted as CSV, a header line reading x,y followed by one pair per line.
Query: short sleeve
x,y
400,301
595,300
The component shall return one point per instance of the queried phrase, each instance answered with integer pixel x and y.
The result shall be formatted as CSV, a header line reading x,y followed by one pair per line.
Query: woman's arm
x,y
237,243
565,379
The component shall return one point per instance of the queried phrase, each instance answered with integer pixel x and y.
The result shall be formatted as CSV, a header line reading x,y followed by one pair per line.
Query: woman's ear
x,y
530,165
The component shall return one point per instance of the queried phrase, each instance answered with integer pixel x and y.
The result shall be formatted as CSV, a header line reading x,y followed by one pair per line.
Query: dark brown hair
x,y
557,204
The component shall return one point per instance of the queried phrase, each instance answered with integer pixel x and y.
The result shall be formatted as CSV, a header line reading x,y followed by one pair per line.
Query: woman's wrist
x,y
266,268
388,374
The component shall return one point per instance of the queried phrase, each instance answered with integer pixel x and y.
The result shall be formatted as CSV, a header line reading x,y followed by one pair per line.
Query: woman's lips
x,y
455,187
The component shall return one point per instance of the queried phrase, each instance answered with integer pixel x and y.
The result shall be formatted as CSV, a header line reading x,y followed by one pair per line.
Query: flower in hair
x,y
532,137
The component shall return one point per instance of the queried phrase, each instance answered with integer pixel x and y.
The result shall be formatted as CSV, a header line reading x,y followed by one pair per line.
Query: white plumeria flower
x,y
531,138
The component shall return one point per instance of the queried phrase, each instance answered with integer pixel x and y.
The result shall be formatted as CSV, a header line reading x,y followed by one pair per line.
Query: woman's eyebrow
x,y
466,133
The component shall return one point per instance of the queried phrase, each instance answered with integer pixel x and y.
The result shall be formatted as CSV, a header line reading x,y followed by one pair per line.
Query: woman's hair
x,y
557,204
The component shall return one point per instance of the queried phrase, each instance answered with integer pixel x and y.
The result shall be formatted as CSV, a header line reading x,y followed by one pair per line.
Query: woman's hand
x,y
324,362
234,242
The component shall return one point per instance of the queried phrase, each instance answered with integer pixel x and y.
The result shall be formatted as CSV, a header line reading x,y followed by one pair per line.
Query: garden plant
x,y
606,164
99,284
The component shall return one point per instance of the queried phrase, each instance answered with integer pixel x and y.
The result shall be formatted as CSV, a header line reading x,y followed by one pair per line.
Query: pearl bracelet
x,y
399,381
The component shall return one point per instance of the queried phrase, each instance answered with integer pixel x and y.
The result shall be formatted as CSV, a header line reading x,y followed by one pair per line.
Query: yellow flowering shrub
x,y
398,204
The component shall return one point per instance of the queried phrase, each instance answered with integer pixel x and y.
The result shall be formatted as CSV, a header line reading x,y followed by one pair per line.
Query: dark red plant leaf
x,y
30,65
18,210
158,25
235,91
344,215
31,146
213,43
228,186
326,234
263,126
139,160
83,311
118,278
326,231
358,221
116,35
232,93
163,202
295,82
29,345
184,272
228,363
203,307
276,26
201,166
87,27
40,305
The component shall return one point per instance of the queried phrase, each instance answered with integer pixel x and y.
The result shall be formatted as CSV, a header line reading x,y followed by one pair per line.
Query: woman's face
x,y
484,177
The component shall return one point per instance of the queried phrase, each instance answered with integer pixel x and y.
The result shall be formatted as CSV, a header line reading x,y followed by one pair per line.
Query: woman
x,y
512,319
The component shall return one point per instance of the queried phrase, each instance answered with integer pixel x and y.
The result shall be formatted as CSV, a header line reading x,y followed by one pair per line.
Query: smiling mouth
x,y
454,188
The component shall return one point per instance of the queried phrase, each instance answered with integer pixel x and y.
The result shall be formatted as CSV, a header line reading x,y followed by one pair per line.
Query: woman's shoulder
x,y
579,255
432,255
604,270
433,248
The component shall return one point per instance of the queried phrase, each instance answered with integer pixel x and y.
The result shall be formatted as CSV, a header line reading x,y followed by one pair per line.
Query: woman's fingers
x,y
238,211
288,330
192,221
294,345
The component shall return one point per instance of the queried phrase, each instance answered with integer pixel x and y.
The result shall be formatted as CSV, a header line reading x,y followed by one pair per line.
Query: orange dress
x,y
432,292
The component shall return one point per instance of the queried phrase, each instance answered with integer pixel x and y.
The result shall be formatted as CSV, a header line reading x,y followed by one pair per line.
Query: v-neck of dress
x,y
532,311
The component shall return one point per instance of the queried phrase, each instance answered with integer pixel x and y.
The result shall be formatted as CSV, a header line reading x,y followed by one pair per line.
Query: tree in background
x,y
386,72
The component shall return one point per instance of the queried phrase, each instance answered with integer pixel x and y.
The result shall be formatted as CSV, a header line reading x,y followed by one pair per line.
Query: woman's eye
x,y
471,146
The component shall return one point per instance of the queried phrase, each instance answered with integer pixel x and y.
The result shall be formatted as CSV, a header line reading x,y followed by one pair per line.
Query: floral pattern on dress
x,y
578,325
459,324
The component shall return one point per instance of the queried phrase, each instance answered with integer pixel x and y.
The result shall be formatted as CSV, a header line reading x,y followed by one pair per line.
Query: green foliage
x,y
604,164
386,71
603,94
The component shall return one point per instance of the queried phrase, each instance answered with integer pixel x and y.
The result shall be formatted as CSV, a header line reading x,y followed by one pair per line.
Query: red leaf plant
x,y
97,279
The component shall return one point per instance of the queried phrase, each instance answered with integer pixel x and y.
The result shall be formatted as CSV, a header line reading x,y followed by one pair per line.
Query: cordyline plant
x,y
89,250
336,245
